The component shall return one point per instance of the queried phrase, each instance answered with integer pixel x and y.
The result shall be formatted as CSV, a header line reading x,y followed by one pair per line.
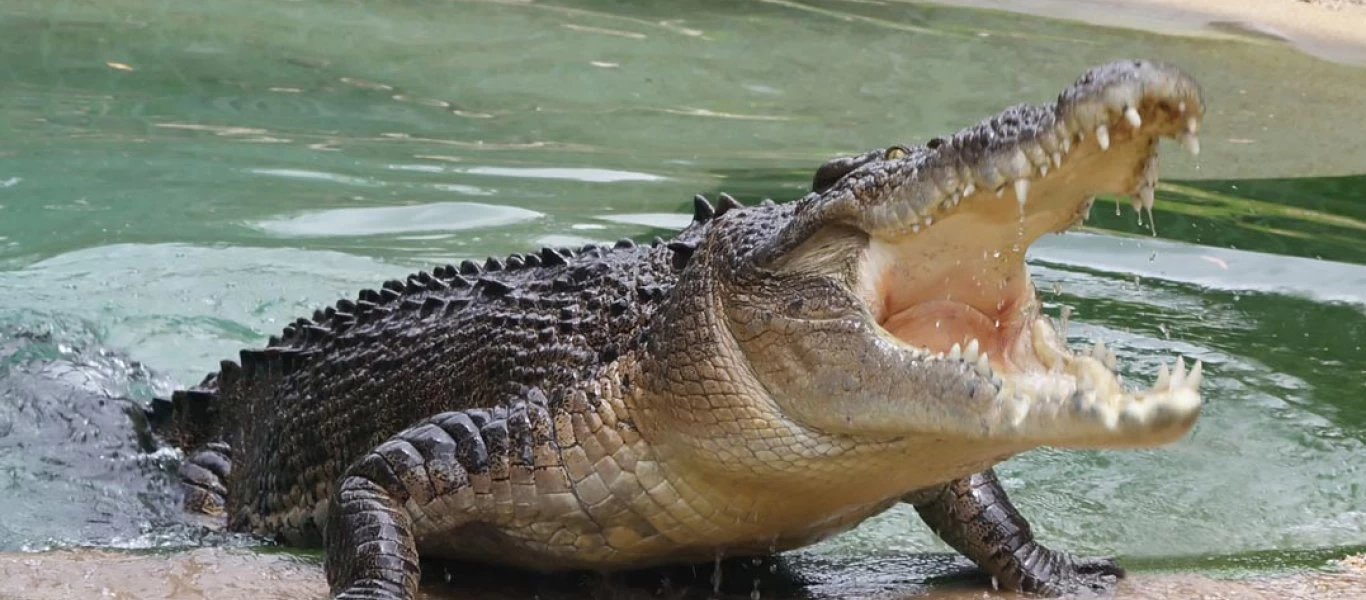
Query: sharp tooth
x,y
1179,373
1196,374
1043,170
956,352
1022,190
973,349
1132,116
905,213
1066,143
1057,159
1086,380
1137,412
1103,137
1036,158
915,228
969,190
989,176
1021,165
1104,355
1001,191
1192,125
1109,415
929,221
1191,143
1164,378
1020,407
1043,349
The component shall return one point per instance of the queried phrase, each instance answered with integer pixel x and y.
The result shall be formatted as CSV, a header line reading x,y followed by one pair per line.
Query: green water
x,y
180,179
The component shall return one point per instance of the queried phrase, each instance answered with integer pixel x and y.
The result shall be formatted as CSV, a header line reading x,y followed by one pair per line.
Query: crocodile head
x,y
894,301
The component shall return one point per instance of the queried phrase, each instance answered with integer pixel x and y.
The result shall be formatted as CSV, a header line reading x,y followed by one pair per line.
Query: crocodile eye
x,y
895,152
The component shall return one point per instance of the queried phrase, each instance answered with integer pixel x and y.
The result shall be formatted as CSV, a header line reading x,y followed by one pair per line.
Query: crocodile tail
x,y
189,417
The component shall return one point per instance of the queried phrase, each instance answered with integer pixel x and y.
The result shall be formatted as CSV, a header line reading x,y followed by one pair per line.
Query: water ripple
x,y
572,174
440,216
317,176
1207,266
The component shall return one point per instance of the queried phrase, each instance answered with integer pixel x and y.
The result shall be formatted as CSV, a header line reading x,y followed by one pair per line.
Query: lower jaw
x,y
1001,314
1022,346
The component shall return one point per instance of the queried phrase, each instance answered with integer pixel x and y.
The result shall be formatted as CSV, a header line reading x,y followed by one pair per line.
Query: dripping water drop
x,y
1020,224
716,575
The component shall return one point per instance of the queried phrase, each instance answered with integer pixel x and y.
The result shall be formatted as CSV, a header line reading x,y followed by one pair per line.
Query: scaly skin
x,y
770,377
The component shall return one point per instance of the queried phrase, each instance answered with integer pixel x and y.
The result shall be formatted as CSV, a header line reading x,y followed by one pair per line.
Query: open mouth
x,y
948,276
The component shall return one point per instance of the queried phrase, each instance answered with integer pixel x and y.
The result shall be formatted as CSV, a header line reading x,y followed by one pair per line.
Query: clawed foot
x,y
372,590
1049,573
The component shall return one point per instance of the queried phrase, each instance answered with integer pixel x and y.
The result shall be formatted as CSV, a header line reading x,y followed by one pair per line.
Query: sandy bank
x,y
230,574
1330,29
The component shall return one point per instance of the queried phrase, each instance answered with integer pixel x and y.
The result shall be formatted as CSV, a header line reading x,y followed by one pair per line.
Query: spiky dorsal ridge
x,y
704,211
394,294
288,350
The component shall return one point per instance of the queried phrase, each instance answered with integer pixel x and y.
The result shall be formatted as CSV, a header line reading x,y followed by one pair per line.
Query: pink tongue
x,y
939,324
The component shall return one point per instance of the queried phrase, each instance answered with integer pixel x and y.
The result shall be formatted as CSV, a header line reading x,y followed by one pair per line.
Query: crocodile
x,y
772,375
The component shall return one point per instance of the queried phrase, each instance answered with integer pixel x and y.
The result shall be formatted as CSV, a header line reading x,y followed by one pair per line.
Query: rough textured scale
x,y
771,376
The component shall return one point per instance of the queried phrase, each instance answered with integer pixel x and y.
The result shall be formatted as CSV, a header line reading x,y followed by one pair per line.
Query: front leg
x,y
371,551
974,516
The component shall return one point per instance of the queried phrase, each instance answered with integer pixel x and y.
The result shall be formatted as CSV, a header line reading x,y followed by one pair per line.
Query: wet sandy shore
x,y
231,574
1330,29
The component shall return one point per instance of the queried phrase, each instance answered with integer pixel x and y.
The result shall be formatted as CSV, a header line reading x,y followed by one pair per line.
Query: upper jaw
x,y
1128,104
